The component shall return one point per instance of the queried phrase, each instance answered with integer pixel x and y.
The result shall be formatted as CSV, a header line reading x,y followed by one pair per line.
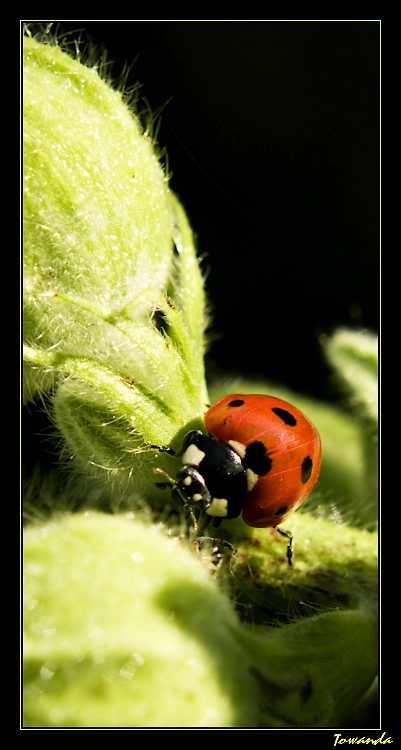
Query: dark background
x,y
271,130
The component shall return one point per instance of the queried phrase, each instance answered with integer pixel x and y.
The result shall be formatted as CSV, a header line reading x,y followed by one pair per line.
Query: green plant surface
x,y
335,566
354,358
113,294
125,627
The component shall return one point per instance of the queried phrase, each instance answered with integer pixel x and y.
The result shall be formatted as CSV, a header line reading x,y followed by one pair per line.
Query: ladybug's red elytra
x,y
262,460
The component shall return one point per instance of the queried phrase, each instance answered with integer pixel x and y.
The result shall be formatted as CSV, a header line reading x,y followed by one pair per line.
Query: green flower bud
x,y
125,628
355,359
354,356
313,672
113,295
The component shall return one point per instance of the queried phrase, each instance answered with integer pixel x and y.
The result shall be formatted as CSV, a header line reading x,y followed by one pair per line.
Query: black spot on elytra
x,y
306,469
285,415
281,511
256,459
236,402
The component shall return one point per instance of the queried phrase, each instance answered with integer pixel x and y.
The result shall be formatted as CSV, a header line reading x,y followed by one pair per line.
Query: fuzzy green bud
x,y
354,356
313,672
113,295
123,627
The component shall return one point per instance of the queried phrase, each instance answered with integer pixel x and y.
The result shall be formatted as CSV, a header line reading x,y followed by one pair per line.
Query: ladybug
x,y
262,459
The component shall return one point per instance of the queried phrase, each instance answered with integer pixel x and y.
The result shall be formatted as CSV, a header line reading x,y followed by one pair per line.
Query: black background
x,y
271,129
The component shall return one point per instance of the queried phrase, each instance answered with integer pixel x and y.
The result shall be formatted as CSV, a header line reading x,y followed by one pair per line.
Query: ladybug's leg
x,y
288,536
202,523
216,548
163,449
216,543
188,439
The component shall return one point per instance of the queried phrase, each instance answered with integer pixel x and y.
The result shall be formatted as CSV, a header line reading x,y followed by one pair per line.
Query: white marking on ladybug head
x,y
237,447
218,507
187,481
192,456
251,479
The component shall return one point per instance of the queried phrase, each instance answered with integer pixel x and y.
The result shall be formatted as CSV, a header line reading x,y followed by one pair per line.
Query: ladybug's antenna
x,y
163,485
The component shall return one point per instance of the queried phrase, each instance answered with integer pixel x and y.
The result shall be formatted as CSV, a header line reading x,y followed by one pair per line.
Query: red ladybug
x,y
280,450
263,460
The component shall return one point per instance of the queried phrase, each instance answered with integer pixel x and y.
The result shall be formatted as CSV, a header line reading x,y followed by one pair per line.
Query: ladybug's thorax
x,y
192,455
221,471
